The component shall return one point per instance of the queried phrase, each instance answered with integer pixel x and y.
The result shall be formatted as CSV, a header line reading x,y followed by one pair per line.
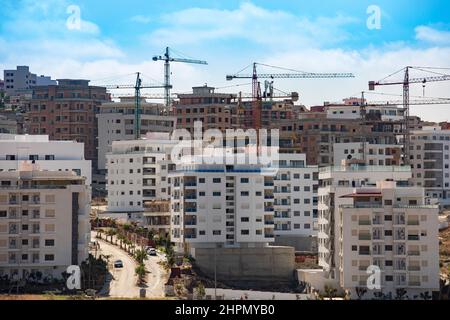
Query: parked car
x,y
118,264
151,251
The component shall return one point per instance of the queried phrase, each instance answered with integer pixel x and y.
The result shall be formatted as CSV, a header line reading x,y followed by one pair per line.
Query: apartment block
x,y
227,205
430,162
44,222
370,154
48,155
295,202
370,216
214,110
7,125
137,179
394,229
116,122
67,112
21,80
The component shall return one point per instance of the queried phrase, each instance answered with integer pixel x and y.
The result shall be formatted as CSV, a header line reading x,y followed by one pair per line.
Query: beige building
x,y
371,219
44,222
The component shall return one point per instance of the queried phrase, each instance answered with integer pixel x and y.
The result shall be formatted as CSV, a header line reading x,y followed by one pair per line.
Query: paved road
x,y
123,282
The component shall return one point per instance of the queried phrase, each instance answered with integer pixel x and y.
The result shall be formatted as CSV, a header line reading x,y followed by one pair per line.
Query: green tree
x,y
200,291
140,255
140,272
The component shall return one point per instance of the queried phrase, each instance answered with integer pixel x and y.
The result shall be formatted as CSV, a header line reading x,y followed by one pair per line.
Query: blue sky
x,y
120,37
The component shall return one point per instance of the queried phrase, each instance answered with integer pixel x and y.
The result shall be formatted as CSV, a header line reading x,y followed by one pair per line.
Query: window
x,y
388,248
307,226
201,194
50,157
389,278
388,233
216,232
245,232
49,257
49,242
244,180
388,263
201,180
244,193
245,219
354,248
216,194
216,180
24,227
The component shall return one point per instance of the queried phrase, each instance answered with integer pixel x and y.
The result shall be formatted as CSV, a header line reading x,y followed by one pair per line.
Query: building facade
x,y
67,112
138,179
370,154
230,205
394,229
49,155
21,80
430,162
370,216
44,222
214,110
116,122
295,202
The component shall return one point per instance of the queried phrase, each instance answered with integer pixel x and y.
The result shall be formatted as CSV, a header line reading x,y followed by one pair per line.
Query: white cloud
x,y
433,36
141,19
252,23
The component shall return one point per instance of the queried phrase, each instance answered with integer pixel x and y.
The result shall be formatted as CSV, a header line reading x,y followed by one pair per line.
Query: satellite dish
x,y
349,157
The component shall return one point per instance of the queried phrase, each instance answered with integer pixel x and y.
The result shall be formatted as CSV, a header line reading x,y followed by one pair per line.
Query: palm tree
x,y
360,292
425,295
330,292
200,291
400,293
140,255
111,233
140,272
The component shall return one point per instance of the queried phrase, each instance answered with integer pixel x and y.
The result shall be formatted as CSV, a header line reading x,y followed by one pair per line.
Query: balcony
x,y
364,252
269,235
190,210
190,184
364,237
269,222
190,197
268,197
190,236
413,253
269,209
413,268
413,222
364,222
413,237
414,284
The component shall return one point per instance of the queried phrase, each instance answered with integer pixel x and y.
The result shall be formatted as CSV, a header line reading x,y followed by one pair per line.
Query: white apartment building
x,y
295,202
137,177
390,227
49,155
227,205
21,79
370,154
116,122
44,221
430,162
359,211
384,113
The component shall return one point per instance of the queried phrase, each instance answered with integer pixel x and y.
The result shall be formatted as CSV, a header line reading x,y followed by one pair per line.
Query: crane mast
x,y
167,58
407,80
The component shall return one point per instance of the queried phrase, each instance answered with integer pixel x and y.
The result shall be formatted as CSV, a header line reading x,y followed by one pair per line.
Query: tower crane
x,y
407,80
256,88
137,96
167,58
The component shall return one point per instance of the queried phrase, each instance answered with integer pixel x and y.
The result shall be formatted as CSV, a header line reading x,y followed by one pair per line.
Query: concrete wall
x,y
300,243
267,263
